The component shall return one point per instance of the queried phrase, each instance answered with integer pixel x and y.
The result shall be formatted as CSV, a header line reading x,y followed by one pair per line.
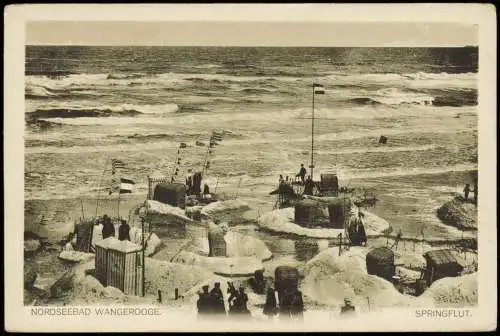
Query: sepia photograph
x,y
254,172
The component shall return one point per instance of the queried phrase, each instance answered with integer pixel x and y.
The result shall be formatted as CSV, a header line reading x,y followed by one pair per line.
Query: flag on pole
x,y
216,136
318,89
122,185
117,163
126,186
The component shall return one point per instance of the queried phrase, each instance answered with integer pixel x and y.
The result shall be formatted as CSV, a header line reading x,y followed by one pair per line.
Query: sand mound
x,y
236,266
32,245
166,276
165,214
224,207
459,214
238,245
330,278
76,256
282,221
454,292
153,243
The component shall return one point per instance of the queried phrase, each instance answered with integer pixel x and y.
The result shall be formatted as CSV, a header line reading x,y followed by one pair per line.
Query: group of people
x,y
193,184
108,229
212,302
291,305
301,176
356,229
468,190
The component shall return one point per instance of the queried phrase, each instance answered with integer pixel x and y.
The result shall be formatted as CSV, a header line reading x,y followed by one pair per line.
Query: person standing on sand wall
x,y
124,231
475,193
466,192
108,229
302,173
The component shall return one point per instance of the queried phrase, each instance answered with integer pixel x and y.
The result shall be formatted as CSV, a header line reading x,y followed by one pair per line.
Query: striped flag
x,y
117,163
216,136
318,89
125,186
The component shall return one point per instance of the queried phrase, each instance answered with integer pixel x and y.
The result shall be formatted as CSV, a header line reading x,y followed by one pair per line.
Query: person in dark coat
x,y
308,186
270,307
124,231
475,193
285,304
466,192
204,303
297,305
240,303
217,299
347,308
302,173
108,229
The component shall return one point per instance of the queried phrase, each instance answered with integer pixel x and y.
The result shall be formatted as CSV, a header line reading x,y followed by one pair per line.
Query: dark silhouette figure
x,y
466,192
237,300
204,303
270,307
286,304
347,308
475,193
308,186
241,302
257,282
206,190
124,231
217,299
108,229
302,173
297,305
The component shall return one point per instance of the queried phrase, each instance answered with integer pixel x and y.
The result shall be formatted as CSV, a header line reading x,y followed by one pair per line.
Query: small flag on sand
x,y
318,89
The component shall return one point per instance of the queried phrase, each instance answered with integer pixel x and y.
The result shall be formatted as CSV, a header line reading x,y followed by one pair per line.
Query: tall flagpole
x,y
312,136
99,188
119,193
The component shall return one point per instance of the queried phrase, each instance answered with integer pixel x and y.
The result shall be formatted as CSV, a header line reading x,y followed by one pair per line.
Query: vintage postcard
x,y
305,167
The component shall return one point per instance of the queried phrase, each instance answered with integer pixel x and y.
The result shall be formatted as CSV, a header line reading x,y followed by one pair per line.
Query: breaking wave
x,y
127,110
394,96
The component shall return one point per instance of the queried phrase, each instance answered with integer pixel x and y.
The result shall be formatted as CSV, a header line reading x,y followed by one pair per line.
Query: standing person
x,y
348,308
361,228
308,186
475,192
241,301
124,231
297,305
232,300
302,173
108,229
466,192
285,304
270,307
204,302
189,182
217,299
206,191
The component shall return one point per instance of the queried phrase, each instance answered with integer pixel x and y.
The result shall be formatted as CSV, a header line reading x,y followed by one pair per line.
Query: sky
x,y
230,33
